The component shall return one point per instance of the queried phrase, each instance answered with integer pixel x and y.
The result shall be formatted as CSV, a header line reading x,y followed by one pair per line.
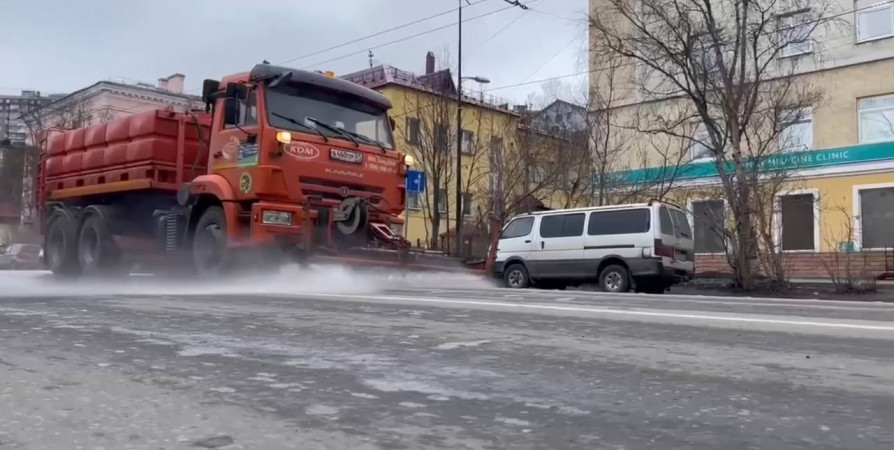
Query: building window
x,y
441,138
875,19
877,217
413,130
794,34
708,220
876,117
796,130
797,221
468,147
414,200
468,203
442,200
699,147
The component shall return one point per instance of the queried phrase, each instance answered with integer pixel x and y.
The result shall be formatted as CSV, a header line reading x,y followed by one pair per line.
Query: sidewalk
x,y
798,288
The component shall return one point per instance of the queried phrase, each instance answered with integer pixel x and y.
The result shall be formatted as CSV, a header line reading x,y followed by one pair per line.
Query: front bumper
x,y
497,269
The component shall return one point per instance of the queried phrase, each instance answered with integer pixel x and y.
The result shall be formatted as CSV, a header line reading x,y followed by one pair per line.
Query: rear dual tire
x,y
61,244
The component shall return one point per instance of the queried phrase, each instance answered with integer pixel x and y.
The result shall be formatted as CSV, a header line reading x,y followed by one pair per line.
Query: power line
x,y
378,33
450,25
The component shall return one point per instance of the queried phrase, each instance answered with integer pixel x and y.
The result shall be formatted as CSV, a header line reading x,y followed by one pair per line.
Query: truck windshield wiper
x,y
335,129
369,140
296,122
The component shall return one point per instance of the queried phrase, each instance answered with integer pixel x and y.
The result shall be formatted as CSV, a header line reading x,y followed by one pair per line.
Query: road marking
x,y
613,311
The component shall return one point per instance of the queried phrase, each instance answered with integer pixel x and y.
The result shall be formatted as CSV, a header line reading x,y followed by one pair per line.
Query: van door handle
x,y
528,241
542,244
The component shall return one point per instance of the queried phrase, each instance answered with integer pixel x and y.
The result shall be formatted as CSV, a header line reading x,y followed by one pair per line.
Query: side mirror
x,y
209,87
393,123
231,111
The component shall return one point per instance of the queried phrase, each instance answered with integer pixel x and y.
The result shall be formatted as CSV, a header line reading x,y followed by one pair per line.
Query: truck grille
x,y
334,190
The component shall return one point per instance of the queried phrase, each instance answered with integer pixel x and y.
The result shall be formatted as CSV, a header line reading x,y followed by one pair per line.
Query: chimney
x,y
429,63
175,83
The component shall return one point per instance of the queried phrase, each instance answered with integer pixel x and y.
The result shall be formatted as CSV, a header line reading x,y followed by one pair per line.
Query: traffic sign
x,y
415,181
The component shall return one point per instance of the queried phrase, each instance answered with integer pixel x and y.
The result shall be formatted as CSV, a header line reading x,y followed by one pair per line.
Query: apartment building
x,y
839,152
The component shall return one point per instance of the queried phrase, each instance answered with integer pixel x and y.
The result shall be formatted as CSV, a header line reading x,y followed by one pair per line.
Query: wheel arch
x,y
610,261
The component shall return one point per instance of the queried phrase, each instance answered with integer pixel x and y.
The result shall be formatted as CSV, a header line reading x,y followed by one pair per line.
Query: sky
x,y
62,45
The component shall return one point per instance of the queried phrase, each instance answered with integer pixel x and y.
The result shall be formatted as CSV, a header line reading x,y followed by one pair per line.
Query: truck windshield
x,y
308,106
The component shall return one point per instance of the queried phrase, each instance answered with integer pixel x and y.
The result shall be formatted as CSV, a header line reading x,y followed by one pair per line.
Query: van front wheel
x,y
516,277
614,278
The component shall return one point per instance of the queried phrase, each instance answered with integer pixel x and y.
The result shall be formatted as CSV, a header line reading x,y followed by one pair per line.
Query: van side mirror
x,y
231,111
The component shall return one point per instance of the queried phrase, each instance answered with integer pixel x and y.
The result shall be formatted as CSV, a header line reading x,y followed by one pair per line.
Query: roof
x,y
557,102
56,98
440,82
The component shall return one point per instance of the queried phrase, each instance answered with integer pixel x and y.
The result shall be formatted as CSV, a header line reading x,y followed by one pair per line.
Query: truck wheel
x,y
516,277
614,278
209,244
61,244
96,250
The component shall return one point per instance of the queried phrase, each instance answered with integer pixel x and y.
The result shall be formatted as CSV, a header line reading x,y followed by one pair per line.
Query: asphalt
x,y
331,359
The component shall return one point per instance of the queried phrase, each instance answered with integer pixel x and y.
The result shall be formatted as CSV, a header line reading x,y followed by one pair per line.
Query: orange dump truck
x,y
280,162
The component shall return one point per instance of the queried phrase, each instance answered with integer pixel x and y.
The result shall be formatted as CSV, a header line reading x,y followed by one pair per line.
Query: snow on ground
x,y
290,279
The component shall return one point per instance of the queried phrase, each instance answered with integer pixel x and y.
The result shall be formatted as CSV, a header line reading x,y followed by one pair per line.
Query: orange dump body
x,y
154,149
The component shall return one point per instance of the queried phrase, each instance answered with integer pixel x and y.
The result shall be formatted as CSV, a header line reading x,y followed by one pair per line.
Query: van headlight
x,y
276,218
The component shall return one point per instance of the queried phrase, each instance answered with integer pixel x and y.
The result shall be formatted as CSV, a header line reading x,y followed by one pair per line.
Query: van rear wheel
x,y
516,277
614,278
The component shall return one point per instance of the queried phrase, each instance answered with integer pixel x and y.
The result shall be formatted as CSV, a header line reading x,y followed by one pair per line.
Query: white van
x,y
644,247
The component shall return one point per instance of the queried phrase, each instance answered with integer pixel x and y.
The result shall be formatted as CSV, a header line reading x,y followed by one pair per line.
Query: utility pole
x,y
459,124
459,137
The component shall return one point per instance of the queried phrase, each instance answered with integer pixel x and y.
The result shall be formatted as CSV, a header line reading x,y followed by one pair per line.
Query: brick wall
x,y
807,265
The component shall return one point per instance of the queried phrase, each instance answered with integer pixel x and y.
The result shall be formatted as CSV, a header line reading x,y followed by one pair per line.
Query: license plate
x,y
346,156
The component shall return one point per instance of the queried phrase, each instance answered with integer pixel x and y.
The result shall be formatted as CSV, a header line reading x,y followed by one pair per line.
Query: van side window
x,y
564,225
618,222
518,228
667,225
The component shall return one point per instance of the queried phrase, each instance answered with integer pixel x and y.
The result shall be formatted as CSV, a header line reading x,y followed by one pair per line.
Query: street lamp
x,y
459,148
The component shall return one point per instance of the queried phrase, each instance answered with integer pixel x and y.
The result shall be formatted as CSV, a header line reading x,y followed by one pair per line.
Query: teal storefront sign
x,y
782,161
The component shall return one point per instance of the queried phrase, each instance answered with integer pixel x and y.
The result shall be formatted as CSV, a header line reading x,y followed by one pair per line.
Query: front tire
x,y
614,278
211,256
61,244
516,277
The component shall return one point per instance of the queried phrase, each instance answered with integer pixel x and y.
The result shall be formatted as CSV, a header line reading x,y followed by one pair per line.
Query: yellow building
x,y
424,111
838,154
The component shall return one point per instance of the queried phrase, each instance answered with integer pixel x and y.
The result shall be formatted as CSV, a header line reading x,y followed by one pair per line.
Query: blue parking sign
x,y
415,181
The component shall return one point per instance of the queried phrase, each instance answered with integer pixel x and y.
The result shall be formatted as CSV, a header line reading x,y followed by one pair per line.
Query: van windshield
x,y
518,228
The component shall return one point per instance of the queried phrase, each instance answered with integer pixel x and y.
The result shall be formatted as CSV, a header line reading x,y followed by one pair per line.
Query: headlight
x,y
409,160
284,136
276,218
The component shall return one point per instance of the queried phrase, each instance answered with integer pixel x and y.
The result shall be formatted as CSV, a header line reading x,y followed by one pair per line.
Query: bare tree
x,y
727,69
430,133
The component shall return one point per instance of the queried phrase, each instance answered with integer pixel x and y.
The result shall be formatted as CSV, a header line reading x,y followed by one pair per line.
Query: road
x,y
370,361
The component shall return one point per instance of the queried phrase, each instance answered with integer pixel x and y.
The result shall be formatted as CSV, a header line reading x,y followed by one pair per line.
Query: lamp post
x,y
459,130
459,153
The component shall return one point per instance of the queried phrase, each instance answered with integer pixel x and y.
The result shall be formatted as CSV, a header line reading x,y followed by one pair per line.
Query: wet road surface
x,y
459,365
